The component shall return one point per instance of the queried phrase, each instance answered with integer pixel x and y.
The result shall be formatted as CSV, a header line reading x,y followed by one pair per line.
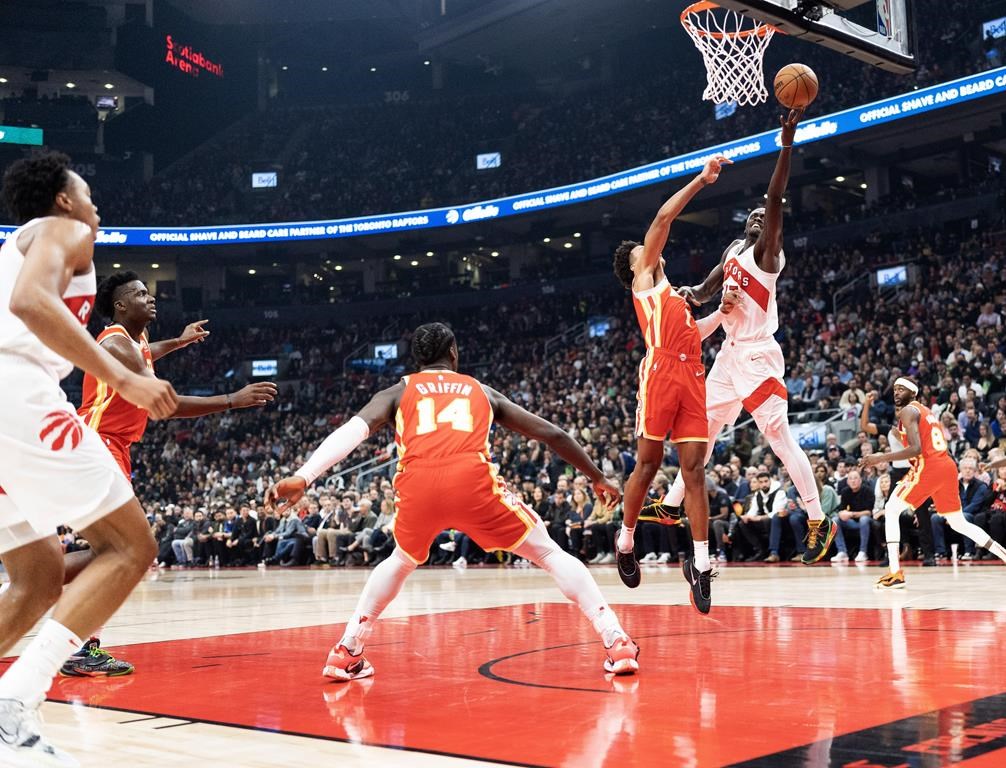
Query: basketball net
x,y
733,50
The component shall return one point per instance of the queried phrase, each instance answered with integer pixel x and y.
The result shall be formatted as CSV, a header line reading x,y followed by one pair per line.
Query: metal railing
x,y
578,332
373,471
334,478
841,296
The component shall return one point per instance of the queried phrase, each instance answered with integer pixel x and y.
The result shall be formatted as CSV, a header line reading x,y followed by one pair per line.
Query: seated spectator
x,y
855,510
184,540
756,522
993,519
242,538
976,498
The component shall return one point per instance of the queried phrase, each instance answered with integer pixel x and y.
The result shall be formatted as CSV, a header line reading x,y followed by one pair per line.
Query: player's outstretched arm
x,y
910,419
253,396
194,333
60,249
769,244
337,446
512,416
660,227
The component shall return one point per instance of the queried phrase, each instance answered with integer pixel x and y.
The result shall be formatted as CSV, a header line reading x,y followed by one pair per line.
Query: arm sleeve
x,y
708,324
334,449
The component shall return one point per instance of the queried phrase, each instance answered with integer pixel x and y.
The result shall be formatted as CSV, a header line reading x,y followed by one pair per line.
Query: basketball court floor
x,y
795,666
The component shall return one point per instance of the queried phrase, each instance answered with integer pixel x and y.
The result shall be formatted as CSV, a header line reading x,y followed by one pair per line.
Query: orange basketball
x,y
796,86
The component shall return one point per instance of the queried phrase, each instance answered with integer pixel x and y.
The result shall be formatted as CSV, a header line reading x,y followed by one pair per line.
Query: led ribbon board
x,y
829,126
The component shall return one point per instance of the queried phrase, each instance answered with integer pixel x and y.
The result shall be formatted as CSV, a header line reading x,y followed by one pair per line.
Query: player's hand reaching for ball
x,y
606,492
285,493
730,300
713,167
788,124
155,396
254,395
688,293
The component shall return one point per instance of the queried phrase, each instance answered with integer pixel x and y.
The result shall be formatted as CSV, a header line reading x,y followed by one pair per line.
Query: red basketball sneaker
x,y
623,657
342,665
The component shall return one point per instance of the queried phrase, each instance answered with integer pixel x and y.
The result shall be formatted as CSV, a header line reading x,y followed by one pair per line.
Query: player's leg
x,y
697,570
35,571
650,455
576,583
346,661
771,415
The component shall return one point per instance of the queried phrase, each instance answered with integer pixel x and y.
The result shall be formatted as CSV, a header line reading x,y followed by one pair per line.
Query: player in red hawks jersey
x,y
54,471
672,390
933,475
124,299
446,479
749,369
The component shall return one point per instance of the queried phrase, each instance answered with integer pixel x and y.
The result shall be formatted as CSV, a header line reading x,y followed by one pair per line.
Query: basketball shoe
x,y
623,657
701,584
628,568
342,665
891,581
21,741
658,512
819,538
94,661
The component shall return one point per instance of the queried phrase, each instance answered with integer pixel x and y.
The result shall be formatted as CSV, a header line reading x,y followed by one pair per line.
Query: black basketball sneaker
x,y
94,661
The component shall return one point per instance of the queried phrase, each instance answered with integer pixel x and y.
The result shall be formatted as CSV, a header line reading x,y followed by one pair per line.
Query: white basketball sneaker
x,y
22,743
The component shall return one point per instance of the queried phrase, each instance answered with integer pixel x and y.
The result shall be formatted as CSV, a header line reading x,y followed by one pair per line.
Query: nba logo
x,y
884,25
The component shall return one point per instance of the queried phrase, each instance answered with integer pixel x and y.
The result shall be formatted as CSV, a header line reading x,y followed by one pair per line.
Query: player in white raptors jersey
x,y
53,469
749,368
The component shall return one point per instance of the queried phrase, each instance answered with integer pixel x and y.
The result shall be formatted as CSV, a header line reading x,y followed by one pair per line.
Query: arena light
x,y
324,69
567,245
414,263
338,267
426,63
398,257
864,185
373,69
116,266
429,253
251,271
546,240
495,253
155,266
284,67
3,80
840,179
109,86
576,234
71,85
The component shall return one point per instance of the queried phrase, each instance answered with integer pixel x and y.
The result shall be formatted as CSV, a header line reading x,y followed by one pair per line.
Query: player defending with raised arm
x,y
749,369
672,395
933,475
124,299
53,470
446,479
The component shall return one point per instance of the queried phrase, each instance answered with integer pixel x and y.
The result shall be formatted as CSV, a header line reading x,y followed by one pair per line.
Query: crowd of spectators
x,y
358,160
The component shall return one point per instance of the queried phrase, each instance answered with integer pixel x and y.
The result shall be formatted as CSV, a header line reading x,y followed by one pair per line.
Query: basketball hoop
x,y
733,50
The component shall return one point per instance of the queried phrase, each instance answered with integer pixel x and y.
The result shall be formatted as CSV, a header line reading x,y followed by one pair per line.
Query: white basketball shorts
x,y
744,375
54,470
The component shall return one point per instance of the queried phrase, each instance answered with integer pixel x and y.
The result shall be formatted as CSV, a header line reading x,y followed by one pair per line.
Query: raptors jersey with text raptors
x,y
756,317
15,338
442,414
103,409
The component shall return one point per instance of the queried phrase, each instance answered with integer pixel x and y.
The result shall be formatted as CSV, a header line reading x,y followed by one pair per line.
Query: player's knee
x,y
647,469
776,426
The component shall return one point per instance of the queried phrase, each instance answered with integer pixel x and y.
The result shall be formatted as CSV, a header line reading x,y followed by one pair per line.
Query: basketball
x,y
796,86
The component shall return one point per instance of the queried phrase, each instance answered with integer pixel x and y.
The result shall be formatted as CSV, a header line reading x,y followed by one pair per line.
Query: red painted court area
x,y
524,685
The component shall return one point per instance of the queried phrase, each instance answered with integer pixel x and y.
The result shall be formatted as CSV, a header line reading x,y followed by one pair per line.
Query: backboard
x,y
881,35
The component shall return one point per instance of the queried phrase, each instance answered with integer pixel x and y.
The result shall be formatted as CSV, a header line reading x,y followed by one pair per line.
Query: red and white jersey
x,y
442,414
756,317
666,320
103,409
15,338
934,444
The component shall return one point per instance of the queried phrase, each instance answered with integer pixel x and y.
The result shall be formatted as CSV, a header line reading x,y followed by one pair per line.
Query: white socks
x,y
29,678
382,587
626,540
892,531
701,555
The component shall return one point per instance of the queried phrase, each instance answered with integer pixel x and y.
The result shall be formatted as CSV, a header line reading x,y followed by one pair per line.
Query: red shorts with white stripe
x,y
120,452
672,397
463,492
933,478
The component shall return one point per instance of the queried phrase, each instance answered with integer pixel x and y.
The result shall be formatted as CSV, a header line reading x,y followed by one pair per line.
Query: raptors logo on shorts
x,y
60,430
